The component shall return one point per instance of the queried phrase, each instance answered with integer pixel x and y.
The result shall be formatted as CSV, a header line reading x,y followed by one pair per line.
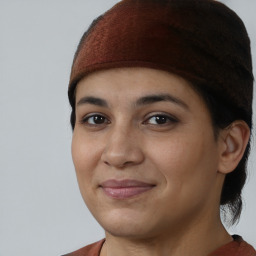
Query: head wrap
x,y
201,40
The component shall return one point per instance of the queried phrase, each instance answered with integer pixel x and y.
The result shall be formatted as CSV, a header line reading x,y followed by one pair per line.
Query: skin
x,y
178,155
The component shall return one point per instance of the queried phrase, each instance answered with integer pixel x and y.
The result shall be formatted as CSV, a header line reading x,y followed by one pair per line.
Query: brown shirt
x,y
238,247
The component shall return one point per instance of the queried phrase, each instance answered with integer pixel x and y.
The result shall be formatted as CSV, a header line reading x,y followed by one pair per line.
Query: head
x,y
169,35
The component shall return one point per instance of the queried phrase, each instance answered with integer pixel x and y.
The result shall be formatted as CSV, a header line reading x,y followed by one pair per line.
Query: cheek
x,y
188,163
189,171
85,158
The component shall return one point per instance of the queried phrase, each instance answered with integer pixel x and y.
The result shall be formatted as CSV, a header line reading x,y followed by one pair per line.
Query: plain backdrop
x,y
41,210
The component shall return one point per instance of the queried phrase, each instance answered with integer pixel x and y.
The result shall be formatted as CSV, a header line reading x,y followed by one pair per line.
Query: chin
x,y
132,225
123,224
129,231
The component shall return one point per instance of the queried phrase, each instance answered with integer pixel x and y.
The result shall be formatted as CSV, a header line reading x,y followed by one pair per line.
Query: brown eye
x,y
160,120
95,120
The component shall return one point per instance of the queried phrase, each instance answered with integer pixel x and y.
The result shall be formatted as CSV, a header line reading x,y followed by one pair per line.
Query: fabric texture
x,y
89,250
201,40
236,248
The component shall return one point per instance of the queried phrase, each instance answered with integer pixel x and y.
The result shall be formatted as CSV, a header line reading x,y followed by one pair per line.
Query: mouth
x,y
124,189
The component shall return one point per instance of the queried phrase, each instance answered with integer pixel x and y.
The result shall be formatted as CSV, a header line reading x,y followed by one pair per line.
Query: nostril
x,y
120,165
127,163
107,163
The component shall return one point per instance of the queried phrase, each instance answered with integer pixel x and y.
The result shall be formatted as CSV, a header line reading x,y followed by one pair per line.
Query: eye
x,y
95,119
161,119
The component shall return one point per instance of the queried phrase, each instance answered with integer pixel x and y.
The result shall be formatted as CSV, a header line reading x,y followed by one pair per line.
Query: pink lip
x,y
122,189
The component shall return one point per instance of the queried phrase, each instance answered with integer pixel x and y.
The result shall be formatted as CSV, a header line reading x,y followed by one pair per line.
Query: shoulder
x,y
89,250
236,248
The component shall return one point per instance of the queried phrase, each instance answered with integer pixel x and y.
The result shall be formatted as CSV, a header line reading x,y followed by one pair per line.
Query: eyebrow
x,y
146,100
92,100
150,99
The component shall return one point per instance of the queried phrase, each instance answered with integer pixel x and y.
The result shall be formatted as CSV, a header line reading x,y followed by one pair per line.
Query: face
x,y
144,151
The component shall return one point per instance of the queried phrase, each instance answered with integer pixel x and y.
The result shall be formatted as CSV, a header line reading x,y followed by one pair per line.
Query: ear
x,y
233,141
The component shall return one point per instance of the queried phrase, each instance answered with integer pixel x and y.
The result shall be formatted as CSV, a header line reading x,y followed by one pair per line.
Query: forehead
x,y
134,82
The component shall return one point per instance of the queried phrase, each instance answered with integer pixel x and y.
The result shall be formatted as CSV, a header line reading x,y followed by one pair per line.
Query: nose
x,y
122,149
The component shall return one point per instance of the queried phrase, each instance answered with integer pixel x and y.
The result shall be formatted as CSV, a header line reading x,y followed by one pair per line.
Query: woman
x,y
161,96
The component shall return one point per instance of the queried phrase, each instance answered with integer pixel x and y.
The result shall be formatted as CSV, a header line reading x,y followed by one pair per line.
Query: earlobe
x,y
234,140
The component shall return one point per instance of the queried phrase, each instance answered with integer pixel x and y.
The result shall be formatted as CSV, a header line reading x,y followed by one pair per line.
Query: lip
x,y
124,189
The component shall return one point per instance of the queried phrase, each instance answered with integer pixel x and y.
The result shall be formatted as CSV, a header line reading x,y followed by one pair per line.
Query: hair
x,y
222,113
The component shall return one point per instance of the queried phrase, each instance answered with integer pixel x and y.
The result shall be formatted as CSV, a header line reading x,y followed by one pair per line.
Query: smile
x,y
124,189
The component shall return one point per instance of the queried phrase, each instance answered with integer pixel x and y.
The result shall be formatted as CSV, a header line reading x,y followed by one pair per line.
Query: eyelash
x,y
168,120
160,117
86,119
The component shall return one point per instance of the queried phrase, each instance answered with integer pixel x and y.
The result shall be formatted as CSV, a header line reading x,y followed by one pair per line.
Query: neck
x,y
194,239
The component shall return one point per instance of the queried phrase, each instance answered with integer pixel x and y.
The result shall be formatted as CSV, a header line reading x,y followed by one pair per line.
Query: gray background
x,y
41,210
